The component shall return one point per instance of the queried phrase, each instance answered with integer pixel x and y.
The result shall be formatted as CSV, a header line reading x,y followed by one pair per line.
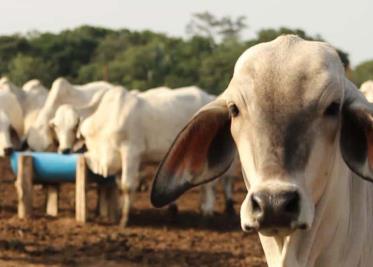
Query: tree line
x,y
142,59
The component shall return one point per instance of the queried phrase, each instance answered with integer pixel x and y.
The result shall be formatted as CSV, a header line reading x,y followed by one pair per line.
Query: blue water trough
x,y
51,167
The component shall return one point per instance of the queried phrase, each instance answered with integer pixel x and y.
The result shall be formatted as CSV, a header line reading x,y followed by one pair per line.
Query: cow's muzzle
x,y
65,151
274,212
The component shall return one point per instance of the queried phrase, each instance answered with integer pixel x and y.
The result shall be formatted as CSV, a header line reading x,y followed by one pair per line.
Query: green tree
x,y
140,67
23,68
138,59
216,69
225,29
10,46
185,60
363,72
70,49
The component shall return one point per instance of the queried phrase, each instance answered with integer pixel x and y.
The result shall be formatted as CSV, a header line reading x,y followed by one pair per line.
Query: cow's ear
x,y
357,133
79,134
202,151
79,146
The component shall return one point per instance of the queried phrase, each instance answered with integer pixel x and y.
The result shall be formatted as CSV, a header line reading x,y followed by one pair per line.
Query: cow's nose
x,y
8,151
66,151
275,210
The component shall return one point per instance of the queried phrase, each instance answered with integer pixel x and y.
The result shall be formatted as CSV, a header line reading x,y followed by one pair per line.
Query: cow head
x,y
293,117
9,138
65,124
40,137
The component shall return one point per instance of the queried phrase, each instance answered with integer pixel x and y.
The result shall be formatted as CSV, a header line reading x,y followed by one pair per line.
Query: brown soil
x,y
153,238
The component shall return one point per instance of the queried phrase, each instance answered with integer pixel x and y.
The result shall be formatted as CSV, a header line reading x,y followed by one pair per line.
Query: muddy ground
x,y
153,238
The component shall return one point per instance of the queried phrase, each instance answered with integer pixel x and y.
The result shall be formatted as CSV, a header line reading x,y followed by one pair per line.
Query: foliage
x,y
207,25
138,60
10,46
23,68
363,72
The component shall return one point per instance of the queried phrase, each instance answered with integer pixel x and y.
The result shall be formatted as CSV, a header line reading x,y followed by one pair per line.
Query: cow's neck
x,y
339,232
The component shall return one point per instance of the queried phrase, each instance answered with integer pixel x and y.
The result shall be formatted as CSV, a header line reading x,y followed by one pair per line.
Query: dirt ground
x,y
153,238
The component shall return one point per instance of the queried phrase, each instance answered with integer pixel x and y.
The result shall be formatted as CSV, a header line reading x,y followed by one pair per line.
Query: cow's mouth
x,y
276,230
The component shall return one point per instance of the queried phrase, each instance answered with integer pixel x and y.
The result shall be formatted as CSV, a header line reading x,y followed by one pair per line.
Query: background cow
x,y
367,89
130,128
67,120
11,119
41,136
32,100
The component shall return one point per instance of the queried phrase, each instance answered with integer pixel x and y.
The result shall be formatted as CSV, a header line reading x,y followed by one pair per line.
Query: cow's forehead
x,y
288,71
281,86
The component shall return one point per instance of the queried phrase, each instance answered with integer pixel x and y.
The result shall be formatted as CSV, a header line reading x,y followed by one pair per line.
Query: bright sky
x,y
346,24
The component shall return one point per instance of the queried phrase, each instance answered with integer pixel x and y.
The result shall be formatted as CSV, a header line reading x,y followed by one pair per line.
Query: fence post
x,y
81,191
52,200
24,186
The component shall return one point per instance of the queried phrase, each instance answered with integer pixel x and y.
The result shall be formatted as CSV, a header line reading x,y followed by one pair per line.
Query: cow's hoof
x,y
173,210
229,207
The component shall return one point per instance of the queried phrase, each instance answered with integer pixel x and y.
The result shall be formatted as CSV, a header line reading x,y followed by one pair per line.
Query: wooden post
x,y
23,186
52,200
80,191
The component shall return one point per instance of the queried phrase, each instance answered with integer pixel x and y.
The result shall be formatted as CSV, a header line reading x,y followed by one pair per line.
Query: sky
x,y
345,24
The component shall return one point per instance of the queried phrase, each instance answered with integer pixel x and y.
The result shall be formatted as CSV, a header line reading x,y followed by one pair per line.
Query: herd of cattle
x,y
117,129
300,130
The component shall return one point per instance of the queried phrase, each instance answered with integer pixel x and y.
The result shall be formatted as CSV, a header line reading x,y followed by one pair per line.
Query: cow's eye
x,y
233,110
332,109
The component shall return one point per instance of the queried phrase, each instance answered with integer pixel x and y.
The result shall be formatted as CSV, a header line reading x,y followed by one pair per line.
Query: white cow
x,y
367,89
41,136
304,135
32,100
67,121
130,128
11,120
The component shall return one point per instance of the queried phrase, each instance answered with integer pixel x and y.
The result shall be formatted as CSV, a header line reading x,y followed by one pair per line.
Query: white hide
x,y
67,120
34,97
130,128
367,89
40,136
11,120
137,126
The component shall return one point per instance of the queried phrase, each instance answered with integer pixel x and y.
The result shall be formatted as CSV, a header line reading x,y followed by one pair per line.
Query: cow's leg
x,y
129,182
208,199
112,195
228,194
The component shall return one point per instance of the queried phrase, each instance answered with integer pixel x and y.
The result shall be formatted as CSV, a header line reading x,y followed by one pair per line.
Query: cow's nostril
x,y
292,201
66,151
248,228
256,203
275,209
